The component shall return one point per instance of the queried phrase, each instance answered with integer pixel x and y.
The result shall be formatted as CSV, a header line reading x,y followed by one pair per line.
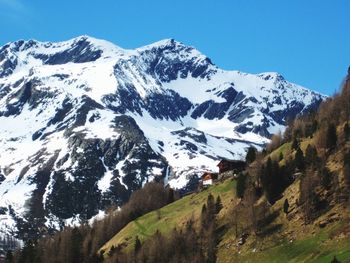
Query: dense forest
x,y
318,158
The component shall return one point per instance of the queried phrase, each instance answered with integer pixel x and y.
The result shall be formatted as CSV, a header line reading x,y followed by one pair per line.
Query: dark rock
x,y
81,51
61,112
196,135
87,104
168,106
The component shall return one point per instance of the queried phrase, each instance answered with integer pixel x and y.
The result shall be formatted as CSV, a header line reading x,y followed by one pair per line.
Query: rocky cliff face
x,y
85,123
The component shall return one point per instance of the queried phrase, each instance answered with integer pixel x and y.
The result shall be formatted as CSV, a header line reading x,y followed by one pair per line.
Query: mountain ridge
x,y
88,117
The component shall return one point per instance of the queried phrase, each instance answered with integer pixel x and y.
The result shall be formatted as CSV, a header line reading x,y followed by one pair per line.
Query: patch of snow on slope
x,y
101,127
104,183
197,90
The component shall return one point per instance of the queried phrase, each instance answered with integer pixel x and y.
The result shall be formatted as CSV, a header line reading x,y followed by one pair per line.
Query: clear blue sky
x,y
308,41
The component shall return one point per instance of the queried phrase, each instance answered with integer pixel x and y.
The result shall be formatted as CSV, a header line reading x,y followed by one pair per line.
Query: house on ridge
x,y
208,178
230,167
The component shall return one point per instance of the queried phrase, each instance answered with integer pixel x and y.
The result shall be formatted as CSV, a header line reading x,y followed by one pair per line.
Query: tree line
x,y
81,244
193,243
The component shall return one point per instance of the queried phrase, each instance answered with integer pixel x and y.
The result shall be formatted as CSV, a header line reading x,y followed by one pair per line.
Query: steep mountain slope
x,y
84,122
289,239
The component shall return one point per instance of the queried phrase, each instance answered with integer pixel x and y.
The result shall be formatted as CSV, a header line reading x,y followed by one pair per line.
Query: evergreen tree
x,y
311,157
171,196
346,131
281,156
326,177
299,159
272,181
218,205
76,255
331,137
286,206
28,253
346,168
295,144
240,185
311,125
251,155
308,197
137,245
335,260
346,172
346,158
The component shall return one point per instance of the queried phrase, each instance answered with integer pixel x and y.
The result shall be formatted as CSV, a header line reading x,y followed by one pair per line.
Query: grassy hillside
x,y
284,239
294,241
173,215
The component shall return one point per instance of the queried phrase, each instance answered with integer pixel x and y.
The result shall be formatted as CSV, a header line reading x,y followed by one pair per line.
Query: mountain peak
x,y
271,75
82,117
165,44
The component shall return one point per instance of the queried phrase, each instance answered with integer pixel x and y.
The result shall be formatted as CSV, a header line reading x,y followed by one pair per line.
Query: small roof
x,y
207,177
207,173
230,161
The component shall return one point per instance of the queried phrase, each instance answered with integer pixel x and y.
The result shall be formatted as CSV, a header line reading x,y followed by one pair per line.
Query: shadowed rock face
x,y
161,62
85,123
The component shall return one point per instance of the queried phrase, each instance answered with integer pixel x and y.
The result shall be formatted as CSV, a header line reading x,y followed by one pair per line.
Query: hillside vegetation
x,y
174,215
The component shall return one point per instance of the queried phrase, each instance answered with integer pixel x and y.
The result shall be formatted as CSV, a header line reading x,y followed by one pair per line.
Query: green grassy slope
x,y
173,215
319,247
292,242
295,242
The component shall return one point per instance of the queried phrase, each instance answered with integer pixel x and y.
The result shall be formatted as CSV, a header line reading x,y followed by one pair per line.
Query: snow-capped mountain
x,y
85,122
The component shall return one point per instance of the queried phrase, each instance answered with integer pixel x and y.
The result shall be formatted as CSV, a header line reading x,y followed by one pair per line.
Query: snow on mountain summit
x,y
85,122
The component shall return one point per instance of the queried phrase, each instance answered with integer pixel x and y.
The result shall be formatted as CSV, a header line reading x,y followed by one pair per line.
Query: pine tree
x,y
218,205
346,168
346,172
171,196
308,197
346,131
240,185
295,144
137,245
281,156
299,159
326,177
28,253
346,158
311,157
76,246
251,155
286,206
335,260
272,180
331,137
